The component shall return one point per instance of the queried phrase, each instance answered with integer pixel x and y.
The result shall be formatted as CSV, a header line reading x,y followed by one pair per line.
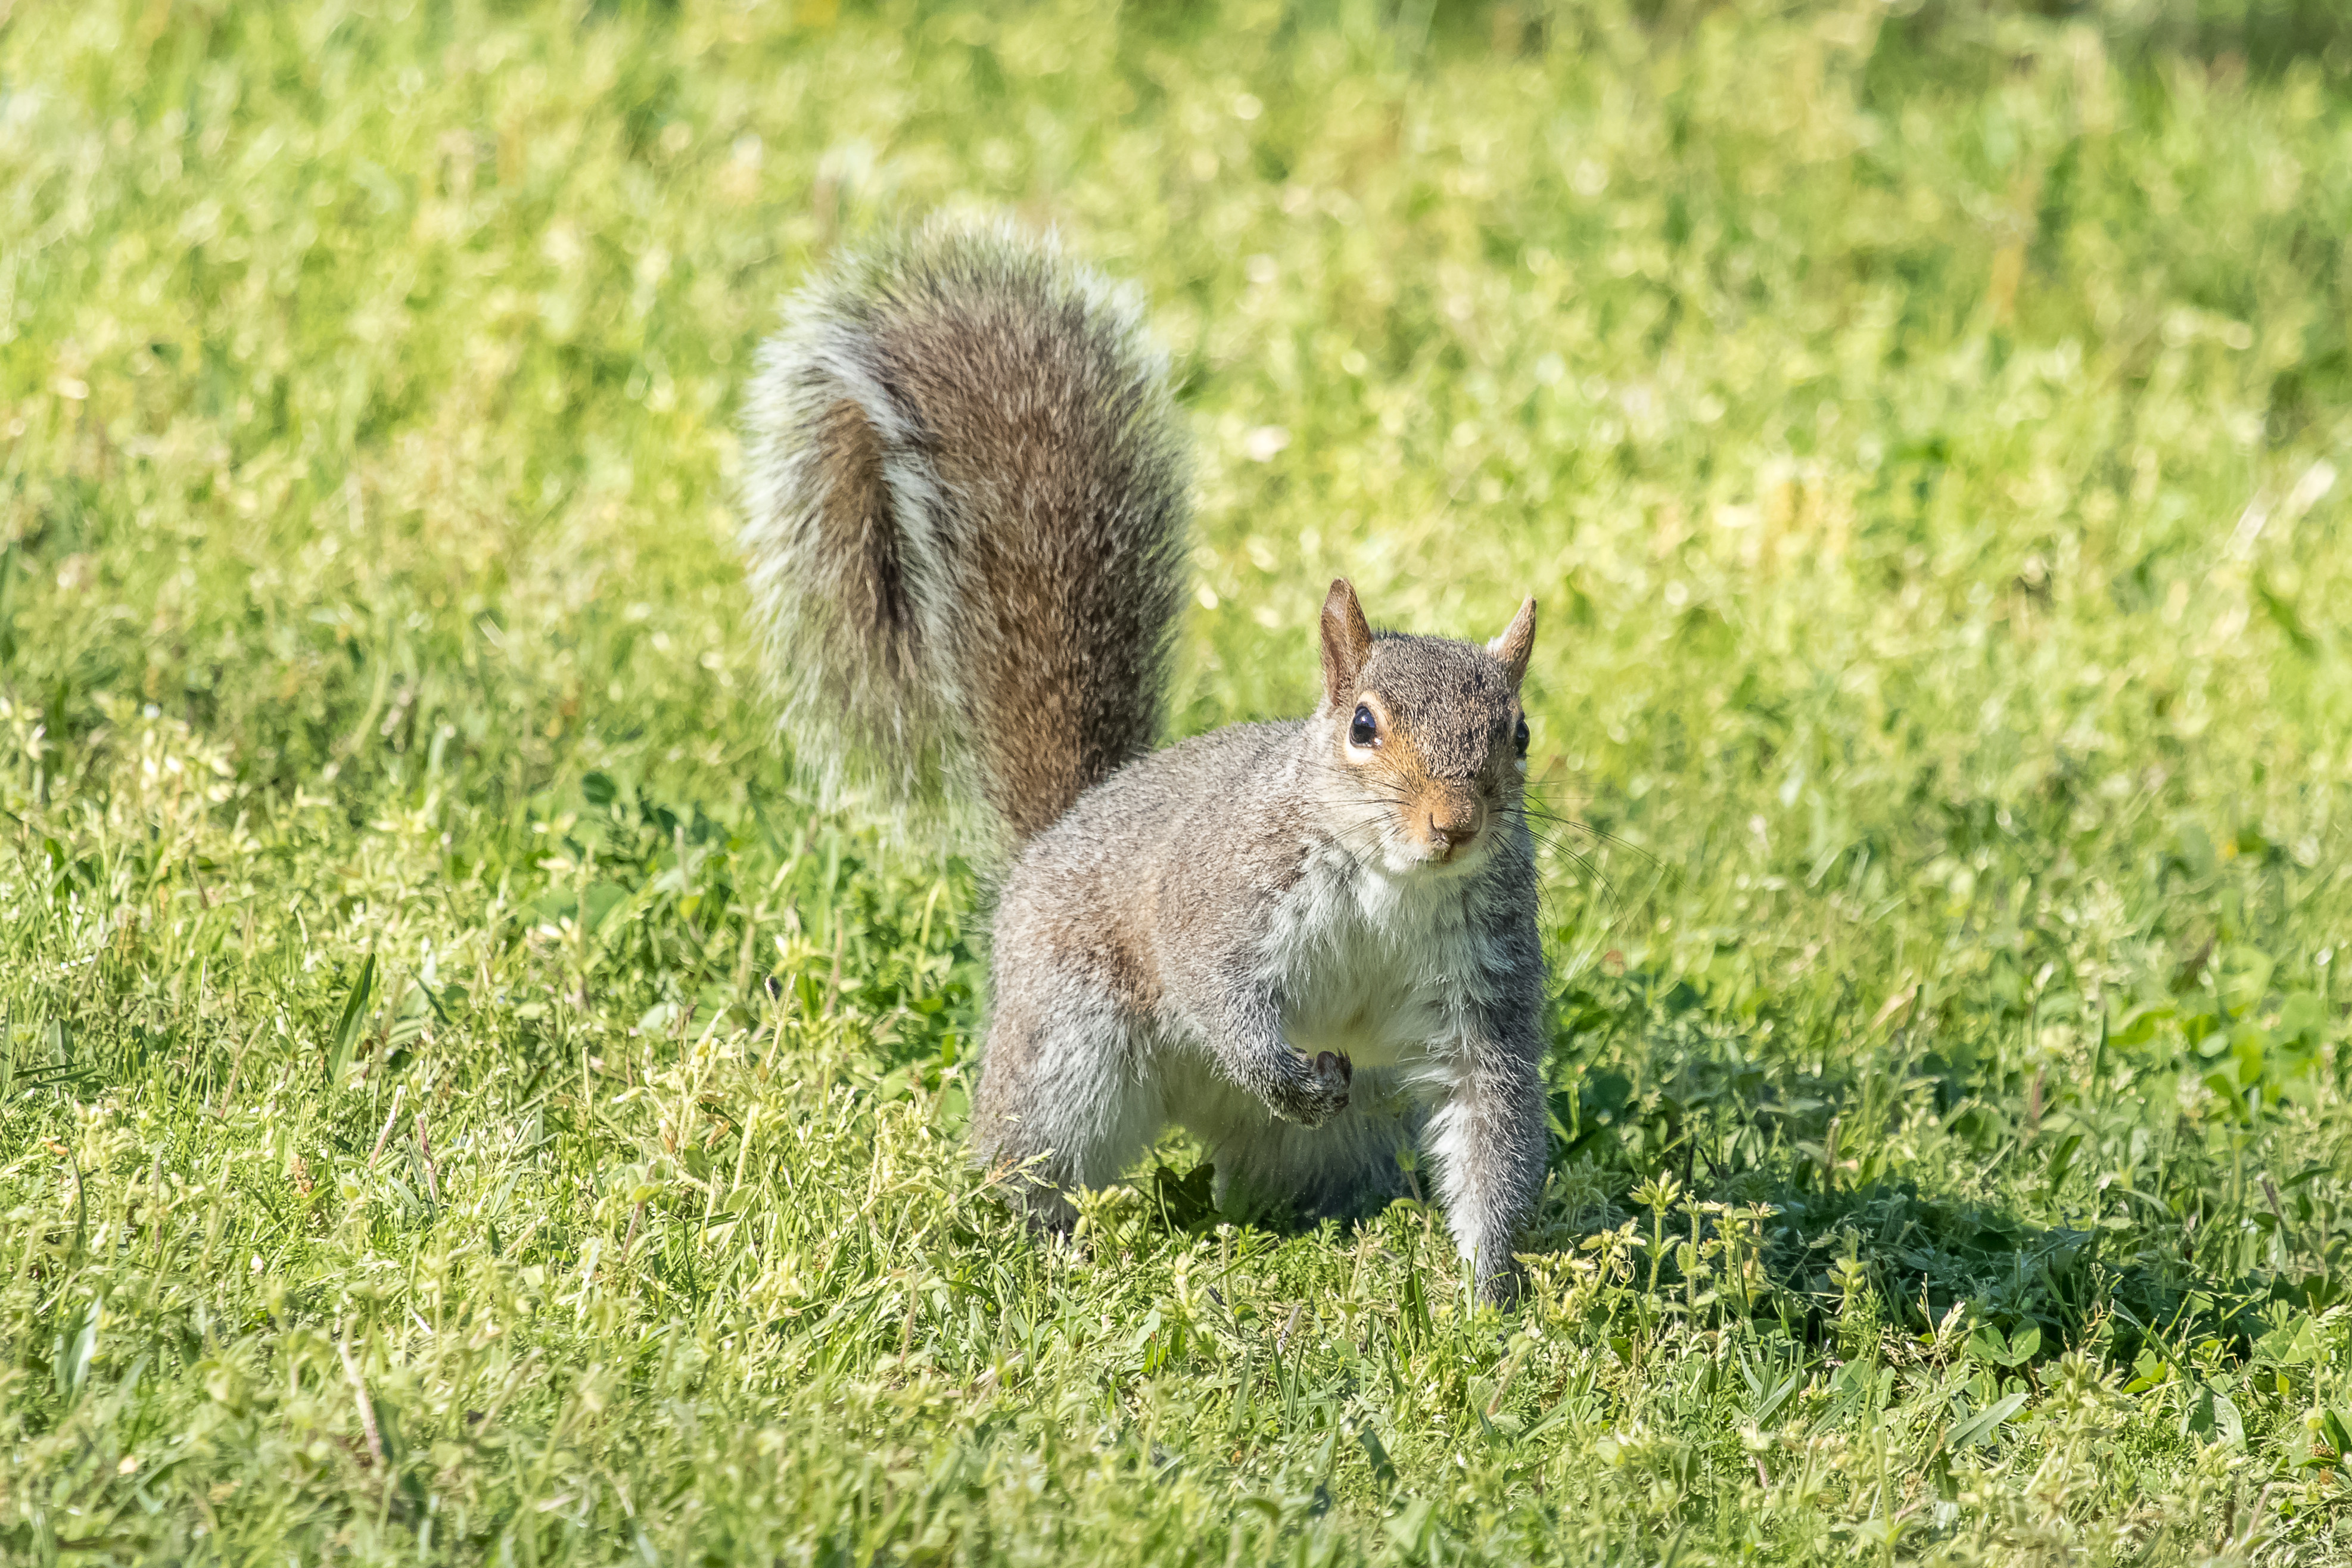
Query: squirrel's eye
x,y
1519,737
1364,732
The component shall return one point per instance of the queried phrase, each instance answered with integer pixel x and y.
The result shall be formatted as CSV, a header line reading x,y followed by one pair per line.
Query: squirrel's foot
x,y
1503,1288
1319,1091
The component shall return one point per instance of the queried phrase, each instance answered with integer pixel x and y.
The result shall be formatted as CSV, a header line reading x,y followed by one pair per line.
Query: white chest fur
x,y
1379,967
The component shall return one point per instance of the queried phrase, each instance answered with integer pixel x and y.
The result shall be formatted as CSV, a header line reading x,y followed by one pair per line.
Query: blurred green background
x,y
459,1101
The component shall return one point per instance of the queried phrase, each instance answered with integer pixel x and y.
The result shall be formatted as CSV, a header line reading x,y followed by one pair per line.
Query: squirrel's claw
x,y
1323,1094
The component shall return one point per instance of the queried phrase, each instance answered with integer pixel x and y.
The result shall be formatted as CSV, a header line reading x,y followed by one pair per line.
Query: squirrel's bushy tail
x,y
965,492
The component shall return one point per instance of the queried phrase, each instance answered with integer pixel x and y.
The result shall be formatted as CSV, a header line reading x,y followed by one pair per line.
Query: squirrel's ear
x,y
1519,641
1347,638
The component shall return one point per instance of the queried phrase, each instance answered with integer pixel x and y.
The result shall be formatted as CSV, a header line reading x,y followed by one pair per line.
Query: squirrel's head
x,y
1425,735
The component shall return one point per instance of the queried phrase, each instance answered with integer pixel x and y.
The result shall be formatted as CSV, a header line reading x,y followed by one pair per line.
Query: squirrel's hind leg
x,y
1064,1101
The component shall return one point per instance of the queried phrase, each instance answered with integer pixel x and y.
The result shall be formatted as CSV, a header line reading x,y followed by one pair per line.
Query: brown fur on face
x,y
1444,760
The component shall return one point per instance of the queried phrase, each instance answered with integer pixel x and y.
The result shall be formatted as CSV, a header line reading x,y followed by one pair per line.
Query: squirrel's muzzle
x,y
1451,820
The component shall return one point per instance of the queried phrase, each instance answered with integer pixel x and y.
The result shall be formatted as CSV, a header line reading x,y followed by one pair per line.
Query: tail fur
x,y
965,492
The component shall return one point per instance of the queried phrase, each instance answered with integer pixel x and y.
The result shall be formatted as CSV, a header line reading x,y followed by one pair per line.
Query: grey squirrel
x,y
1312,943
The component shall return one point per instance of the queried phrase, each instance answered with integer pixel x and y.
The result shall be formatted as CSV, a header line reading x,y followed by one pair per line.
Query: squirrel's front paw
x,y
1319,1091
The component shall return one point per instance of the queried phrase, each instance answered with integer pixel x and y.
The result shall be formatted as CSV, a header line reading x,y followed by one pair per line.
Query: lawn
x,y
461,1101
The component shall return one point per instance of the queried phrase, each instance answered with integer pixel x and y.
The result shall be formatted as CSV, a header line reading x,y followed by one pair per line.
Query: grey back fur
x,y
966,510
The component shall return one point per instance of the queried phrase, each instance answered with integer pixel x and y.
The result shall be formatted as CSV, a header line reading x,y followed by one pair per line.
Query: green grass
x,y
428,1004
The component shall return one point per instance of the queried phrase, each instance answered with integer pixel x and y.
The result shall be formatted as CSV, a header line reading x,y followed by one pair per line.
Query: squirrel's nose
x,y
1456,832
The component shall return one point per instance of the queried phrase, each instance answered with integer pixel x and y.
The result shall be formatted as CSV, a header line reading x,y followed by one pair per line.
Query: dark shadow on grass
x,y
2113,1290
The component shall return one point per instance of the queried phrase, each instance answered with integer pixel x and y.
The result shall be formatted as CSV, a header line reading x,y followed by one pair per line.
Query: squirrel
x,y
1312,943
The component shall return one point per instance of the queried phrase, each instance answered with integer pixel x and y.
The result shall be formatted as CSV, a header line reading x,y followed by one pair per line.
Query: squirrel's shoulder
x,y
1239,774
1207,767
